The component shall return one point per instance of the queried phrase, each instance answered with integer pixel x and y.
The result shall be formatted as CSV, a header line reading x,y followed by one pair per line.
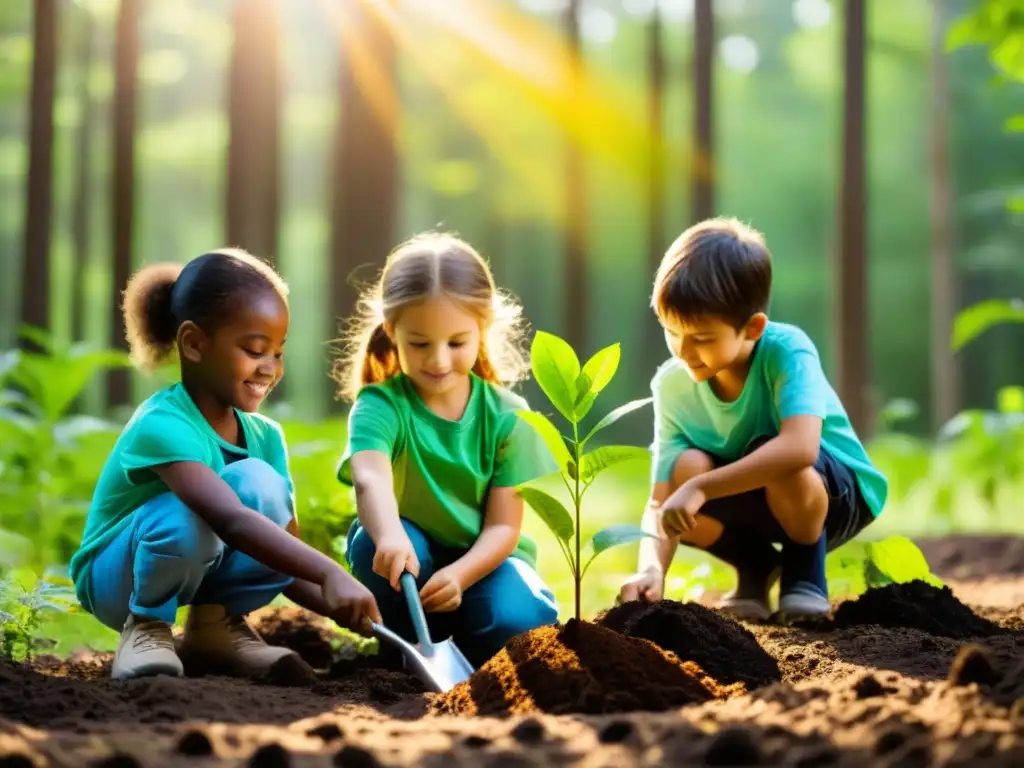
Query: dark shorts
x,y
848,513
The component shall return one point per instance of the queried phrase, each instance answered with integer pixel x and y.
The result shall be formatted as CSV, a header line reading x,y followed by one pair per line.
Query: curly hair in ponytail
x,y
426,266
160,297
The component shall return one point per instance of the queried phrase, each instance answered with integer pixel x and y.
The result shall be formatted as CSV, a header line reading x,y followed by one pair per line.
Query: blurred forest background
x,y
876,143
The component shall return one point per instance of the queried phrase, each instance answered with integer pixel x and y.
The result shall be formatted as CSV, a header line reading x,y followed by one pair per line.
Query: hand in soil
x,y
647,585
679,511
351,604
442,592
395,555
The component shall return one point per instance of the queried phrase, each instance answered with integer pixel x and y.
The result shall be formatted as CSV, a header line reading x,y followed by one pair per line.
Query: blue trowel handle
x,y
419,620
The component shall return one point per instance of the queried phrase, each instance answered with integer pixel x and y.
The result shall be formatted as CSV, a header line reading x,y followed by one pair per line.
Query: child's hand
x,y
442,592
351,605
647,585
395,555
679,511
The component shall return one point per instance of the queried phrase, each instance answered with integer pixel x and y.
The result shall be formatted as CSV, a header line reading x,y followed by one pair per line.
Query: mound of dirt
x,y
916,605
580,668
305,633
720,646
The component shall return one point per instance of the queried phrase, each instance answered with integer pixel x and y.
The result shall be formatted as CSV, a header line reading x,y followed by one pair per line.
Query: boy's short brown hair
x,y
719,267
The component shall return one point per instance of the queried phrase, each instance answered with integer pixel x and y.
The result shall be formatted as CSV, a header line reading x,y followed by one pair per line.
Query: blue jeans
x,y
510,600
168,556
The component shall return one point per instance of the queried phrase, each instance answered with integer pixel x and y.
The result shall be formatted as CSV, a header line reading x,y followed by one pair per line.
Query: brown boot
x,y
224,644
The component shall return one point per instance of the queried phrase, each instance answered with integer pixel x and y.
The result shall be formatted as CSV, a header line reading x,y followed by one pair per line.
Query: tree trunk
x,y
853,364
35,289
703,160
945,375
576,223
83,170
365,177
254,106
126,58
655,171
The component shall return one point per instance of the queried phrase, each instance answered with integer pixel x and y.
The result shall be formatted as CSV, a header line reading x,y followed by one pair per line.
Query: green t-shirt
x,y
443,469
167,427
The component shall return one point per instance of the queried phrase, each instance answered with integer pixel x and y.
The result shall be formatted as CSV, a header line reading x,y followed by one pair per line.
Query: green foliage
x,y
24,603
572,390
858,566
49,459
324,506
978,318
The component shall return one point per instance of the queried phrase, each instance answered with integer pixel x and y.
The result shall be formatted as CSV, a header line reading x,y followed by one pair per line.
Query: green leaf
x,y
607,455
1015,124
978,318
617,414
55,382
556,368
1015,204
597,374
1010,400
613,536
550,510
898,558
551,436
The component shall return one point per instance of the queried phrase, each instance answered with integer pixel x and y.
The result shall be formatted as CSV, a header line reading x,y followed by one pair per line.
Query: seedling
x,y
572,390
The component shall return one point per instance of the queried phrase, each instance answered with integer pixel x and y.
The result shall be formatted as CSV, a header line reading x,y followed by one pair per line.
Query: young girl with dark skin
x,y
195,503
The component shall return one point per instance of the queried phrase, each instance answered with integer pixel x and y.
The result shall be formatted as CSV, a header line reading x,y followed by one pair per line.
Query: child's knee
x,y
513,618
260,487
800,504
180,534
690,463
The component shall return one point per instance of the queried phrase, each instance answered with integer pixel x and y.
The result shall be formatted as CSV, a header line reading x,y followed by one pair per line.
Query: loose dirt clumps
x,y
720,646
580,668
916,605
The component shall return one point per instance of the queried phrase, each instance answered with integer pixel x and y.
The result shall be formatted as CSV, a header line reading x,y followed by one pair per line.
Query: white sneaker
x,y
745,608
146,648
222,643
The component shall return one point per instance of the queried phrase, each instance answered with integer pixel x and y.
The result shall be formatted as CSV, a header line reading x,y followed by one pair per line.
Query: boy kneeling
x,y
752,446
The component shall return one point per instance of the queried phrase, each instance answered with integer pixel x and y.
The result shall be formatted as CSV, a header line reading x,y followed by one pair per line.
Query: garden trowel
x,y
441,666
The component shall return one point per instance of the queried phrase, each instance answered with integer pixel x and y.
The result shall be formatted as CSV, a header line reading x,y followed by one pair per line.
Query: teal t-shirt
x,y
443,469
786,379
167,427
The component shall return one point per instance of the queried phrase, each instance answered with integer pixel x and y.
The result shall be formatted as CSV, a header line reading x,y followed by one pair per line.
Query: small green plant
x,y
572,390
24,601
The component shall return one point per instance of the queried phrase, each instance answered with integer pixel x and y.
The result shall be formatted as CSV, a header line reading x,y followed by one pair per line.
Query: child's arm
x,y
240,528
503,521
796,447
655,554
377,508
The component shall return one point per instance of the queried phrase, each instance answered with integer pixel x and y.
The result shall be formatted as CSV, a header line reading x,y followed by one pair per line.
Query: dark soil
x,y
974,556
720,646
915,605
857,694
580,668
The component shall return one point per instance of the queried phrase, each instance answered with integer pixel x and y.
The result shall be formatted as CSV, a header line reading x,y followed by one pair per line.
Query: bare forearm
x,y
655,554
775,459
307,595
492,547
261,539
377,511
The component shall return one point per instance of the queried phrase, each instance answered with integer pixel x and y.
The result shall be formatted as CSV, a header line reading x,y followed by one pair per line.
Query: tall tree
x,y
254,106
126,62
576,222
655,166
35,291
365,174
703,160
83,171
945,375
853,364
